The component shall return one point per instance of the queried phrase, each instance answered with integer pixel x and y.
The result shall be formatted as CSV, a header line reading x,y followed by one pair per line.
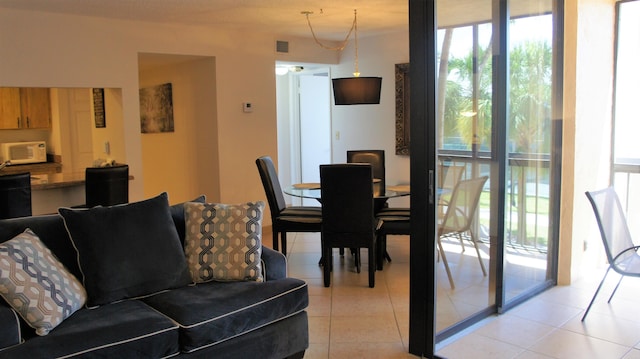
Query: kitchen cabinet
x,y
25,108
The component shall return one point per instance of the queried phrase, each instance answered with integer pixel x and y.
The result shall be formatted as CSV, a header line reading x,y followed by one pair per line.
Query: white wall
x,y
73,51
367,127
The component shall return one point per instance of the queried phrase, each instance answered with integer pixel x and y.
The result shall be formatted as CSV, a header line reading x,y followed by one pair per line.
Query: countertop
x,y
56,180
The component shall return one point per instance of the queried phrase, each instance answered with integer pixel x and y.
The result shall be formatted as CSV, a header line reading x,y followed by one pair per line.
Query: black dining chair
x,y
285,218
106,186
376,159
347,214
15,195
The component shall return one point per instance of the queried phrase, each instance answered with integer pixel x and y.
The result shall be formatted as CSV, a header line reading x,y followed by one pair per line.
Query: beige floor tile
x,y
479,347
361,305
369,351
319,306
632,354
563,344
317,351
319,330
515,330
615,330
364,329
351,320
545,312
532,355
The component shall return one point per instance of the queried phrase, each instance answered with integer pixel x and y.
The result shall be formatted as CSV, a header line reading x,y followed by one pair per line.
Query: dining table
x,y
312,190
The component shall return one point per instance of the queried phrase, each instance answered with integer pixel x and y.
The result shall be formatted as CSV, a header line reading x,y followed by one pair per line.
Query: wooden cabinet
x,y
25,108
9,107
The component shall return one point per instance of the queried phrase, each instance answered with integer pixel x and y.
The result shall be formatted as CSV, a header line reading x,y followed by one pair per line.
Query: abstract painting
x,y
156,109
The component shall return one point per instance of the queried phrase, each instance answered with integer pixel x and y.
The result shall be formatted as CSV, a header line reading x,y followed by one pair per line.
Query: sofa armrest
x,y
275,264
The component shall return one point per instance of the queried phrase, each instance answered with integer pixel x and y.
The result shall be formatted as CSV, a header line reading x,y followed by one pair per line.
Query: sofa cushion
x,y
36,284
127,251
212,312
224,241
9,326
127,329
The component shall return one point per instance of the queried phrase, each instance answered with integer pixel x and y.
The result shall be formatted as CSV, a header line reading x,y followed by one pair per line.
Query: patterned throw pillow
x,y
36,284
224,242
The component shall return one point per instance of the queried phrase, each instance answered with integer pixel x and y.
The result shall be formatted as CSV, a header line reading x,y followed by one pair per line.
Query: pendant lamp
x,y
354,90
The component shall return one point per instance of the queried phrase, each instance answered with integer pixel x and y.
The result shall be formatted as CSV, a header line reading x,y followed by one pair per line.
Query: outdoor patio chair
x,y
622,254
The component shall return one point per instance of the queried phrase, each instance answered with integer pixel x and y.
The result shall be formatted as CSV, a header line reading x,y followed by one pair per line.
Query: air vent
x,y
282,46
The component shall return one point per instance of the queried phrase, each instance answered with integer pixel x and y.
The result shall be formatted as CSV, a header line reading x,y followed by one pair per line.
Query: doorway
x,y
304,124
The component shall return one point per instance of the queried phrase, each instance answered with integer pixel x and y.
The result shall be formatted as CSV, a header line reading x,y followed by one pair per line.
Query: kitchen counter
x,y
34,168
56,180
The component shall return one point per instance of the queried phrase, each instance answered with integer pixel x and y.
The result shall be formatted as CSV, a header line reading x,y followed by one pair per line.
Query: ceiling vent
x,y
282,46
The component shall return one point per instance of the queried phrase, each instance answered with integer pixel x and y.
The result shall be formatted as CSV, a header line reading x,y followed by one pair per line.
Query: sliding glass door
x,y
492,69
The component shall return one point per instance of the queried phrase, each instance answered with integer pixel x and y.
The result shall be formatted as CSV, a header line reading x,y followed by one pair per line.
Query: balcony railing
x,y
527,193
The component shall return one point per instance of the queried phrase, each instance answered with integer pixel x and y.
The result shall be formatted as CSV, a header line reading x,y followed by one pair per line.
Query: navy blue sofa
x,y
241,319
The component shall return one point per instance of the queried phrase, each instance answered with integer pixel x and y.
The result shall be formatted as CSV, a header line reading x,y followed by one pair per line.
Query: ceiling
x,y
331,19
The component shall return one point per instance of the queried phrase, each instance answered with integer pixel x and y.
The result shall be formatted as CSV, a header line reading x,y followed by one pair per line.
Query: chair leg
x,y
326,255
595,294
357,259
461,242
379,251
615,289
372,265
446,264
475,244
284,243
276,238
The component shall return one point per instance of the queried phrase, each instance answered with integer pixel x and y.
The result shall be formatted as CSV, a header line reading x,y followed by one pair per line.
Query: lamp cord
x,y
344,42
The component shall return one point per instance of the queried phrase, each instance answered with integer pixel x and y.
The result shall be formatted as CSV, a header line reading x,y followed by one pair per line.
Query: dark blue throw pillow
x,y
127,251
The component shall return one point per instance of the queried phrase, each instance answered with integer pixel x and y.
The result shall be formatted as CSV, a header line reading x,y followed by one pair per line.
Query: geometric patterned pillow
x,y
223,242
36,284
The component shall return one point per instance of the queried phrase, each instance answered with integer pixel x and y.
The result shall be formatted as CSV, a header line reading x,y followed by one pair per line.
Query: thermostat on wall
x,y
247,107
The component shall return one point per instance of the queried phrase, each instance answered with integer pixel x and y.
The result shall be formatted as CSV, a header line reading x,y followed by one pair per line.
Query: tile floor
x,y
351,320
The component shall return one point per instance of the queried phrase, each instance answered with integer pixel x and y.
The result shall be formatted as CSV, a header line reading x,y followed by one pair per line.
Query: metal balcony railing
x,y
527,193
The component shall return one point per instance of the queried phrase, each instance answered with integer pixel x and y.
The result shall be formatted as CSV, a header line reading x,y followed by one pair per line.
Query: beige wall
x,y
184,163
588,76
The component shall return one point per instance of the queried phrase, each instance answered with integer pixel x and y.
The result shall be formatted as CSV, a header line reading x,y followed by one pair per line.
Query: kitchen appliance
x,y
23,152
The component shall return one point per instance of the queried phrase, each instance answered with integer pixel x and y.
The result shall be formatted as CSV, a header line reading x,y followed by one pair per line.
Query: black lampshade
x,y
357,90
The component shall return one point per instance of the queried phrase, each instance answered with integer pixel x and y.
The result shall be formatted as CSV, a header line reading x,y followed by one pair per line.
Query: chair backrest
x,y
376,159
15,195
612,223
452,176
271,185
347,203
106,186
463,205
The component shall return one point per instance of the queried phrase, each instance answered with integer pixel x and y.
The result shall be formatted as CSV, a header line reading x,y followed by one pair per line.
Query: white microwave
x,y
24,152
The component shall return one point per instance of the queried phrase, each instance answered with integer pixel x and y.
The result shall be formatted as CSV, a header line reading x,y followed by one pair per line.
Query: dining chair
x,y
347,214
622,254
15,195
285,218
376,159
106,186
461,212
